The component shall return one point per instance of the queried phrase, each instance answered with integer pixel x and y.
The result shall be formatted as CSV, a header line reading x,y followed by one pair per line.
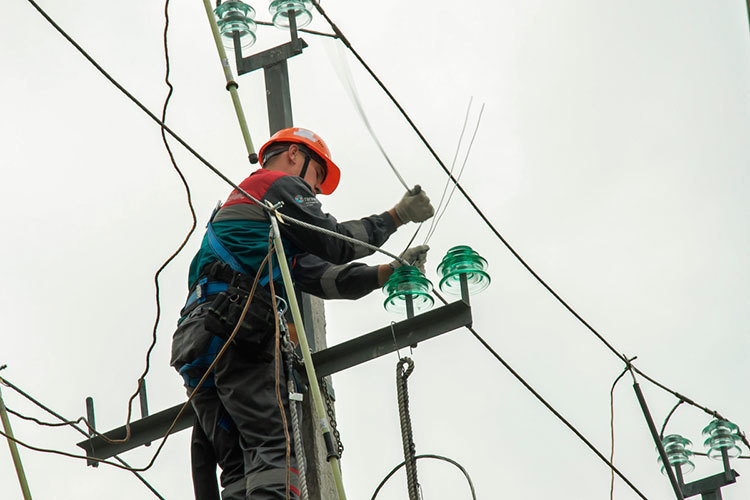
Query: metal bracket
x,y
269,57
328,361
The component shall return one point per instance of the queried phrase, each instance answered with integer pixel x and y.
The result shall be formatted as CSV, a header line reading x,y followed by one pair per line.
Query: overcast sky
x,y
612,154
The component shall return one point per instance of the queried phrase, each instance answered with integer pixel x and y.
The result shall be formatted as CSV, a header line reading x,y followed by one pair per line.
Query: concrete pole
x,y
320,483
14,450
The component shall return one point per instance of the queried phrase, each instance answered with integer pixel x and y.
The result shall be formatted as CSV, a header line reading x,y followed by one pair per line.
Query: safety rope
x,y
406,434
295,410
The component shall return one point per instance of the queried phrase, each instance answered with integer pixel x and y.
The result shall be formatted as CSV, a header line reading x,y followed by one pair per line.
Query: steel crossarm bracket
x,y
391,338
142,432
328,361
709,485
269,57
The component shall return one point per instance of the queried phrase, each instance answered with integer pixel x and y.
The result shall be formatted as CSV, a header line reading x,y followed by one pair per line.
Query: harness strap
x,y
226,256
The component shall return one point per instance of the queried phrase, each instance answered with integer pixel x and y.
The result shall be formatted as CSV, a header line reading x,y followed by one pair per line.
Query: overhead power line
x,y
551,408
495,231
73,424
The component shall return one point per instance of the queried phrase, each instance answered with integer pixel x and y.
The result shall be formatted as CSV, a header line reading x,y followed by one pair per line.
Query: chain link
x,y
332,416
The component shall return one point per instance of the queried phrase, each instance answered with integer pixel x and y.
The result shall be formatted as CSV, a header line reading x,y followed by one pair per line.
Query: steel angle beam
x,y
328,361
142,432
269,57
391,338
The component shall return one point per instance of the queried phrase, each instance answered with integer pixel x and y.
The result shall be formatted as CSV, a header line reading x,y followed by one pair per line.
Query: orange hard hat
x,y
312,141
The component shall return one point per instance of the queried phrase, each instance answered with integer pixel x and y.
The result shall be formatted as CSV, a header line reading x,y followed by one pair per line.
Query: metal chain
x,y
331,416
406,433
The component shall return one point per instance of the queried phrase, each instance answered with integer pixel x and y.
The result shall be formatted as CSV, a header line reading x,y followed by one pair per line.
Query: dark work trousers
x,y
241,419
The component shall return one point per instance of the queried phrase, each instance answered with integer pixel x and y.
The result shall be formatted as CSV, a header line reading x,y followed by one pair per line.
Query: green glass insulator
x,y
281,9
407,281
235,16
462,260
722,434
677,453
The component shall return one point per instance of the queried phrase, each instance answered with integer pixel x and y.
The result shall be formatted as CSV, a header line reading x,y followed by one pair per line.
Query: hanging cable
x,y
460,173
407,437
208,372
453,164
547,405
72,424
198,156
142,378
489,224
418,457
346,42
612,432
666,420
347,79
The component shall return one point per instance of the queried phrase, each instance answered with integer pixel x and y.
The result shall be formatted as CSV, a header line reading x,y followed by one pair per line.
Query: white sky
x,y
612,154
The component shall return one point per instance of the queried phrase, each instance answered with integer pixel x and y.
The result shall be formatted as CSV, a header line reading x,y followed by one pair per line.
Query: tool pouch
x,y
257,329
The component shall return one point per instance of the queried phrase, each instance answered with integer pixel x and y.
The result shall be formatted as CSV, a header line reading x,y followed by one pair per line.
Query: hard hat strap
x,y
305,165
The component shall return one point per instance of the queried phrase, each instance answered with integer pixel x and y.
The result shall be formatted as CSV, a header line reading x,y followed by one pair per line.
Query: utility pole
x,y
273,62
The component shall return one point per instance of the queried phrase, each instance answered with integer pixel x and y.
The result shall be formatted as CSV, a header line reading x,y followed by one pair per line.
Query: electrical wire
x,y
347,78
340,35
418,457
494,230
612,432
460,173
453,163
169,260
208,371
666,420
198,156
45,424
125,465
546,404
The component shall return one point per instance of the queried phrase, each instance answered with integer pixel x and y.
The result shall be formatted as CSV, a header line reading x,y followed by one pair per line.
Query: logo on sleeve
x,y
305,200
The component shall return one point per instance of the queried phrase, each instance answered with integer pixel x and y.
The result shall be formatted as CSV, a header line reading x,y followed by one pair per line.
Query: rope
x,y
276,363
295,409
208,371
406,433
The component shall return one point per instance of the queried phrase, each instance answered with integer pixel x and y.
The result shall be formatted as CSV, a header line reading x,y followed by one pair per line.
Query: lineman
x,y
238,420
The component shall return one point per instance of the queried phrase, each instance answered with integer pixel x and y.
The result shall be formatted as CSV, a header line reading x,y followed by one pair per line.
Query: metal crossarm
x,y
328,361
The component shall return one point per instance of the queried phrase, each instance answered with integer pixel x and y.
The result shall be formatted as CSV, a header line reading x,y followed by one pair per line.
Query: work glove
x,y
415,206
415,256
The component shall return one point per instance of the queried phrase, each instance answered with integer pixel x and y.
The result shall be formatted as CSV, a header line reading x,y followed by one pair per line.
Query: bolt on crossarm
x,y
312,378
231,83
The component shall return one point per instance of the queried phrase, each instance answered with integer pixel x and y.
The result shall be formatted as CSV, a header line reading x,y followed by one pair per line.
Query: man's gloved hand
x,y
415,256
415,206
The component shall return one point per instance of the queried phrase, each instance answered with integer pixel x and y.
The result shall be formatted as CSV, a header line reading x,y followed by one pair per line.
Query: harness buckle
x,y
199,295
